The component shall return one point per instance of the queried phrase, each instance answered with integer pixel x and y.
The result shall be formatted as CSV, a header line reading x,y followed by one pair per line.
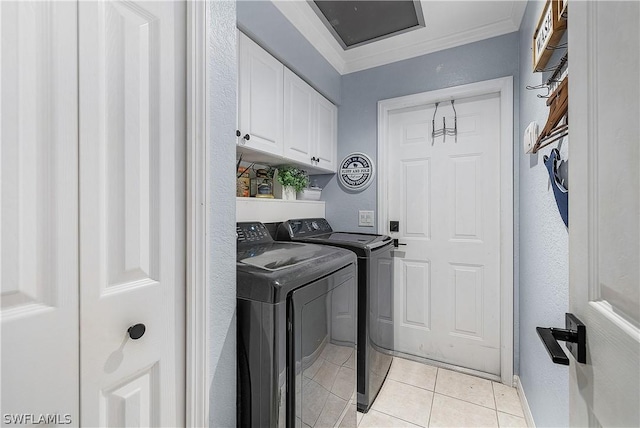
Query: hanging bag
x,y
560,192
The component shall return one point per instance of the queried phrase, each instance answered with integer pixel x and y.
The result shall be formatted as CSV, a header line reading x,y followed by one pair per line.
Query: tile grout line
x,y
466,401
411,384
391,416
512,414
433,398
495,404
496,401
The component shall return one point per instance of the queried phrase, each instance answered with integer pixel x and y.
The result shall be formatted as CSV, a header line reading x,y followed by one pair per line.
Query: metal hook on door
x,y
444,131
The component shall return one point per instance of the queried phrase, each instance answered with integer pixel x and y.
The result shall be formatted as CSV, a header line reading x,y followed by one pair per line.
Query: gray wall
x,y
544,272
361,91
541,266
264,24
221,148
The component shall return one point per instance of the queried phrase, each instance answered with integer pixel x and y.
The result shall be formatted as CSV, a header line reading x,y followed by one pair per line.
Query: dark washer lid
x,y
277,256
267,272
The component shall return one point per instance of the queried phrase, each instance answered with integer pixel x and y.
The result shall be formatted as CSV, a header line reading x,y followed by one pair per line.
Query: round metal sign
x,y
356,171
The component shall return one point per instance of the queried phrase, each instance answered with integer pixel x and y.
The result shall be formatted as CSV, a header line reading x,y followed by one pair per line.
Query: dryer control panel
x,y
252,233
308,227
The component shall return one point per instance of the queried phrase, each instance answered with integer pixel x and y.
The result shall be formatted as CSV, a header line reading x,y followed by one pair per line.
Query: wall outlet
x,y
365,218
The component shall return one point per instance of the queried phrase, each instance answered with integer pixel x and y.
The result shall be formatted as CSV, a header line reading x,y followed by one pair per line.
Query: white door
x,y
132,193
446,196
260,97
38,219
604,214
132,212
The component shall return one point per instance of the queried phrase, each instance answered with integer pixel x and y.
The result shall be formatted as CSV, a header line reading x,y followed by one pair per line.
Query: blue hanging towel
x,y
559,191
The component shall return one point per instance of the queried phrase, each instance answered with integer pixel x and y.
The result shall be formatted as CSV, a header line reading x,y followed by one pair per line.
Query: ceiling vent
x,y
355,23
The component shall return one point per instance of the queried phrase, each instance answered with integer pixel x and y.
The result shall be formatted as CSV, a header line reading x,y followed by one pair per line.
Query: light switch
x,y
365,218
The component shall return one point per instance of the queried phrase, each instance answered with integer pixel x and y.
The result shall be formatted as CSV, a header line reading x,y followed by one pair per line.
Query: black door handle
x,y
575,336
247,137
136,331
238,133
396,243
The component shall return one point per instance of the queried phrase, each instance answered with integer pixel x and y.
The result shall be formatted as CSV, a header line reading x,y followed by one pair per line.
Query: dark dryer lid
x,y
359,239
267,271
318,231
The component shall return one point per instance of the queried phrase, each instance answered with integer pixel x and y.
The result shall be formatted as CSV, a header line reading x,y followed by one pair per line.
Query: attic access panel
x,y
355,23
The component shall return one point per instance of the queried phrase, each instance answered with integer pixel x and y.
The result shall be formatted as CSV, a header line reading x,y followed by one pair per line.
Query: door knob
x,y
247,137
136,331
238,133
575,336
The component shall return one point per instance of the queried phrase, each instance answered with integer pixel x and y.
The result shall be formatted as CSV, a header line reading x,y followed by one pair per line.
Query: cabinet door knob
x,y
313,159
238,133
247,137
136,331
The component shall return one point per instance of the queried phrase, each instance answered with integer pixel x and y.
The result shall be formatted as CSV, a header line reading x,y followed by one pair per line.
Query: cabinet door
x,y
326,134
260,99
299,118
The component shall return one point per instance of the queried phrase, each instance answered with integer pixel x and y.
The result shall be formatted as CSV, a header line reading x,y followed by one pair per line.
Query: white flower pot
x,y
288,193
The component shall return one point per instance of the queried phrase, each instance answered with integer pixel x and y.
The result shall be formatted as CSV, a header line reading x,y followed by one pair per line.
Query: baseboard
x,y
523,401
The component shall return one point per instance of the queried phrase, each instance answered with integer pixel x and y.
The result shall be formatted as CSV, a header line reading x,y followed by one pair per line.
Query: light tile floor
x,y
419,395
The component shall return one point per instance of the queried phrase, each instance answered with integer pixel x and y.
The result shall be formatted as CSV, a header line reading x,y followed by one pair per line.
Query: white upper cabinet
x,y
299,118
260,98
326,134
310,132
281,118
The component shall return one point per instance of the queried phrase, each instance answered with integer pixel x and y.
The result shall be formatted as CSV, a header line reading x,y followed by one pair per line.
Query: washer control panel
x,y
252,232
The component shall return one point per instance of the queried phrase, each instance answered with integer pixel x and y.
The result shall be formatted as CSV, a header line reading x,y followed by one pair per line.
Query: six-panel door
x,y
445,192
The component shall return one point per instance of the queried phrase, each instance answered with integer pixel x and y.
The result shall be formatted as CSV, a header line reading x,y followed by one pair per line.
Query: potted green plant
x,y
292,179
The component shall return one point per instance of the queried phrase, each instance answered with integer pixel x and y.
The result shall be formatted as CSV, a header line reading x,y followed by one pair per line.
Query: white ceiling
x,y
447,24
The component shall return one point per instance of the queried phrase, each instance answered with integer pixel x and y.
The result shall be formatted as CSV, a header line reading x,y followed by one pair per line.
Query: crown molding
x,y
398,51
404,46
305,20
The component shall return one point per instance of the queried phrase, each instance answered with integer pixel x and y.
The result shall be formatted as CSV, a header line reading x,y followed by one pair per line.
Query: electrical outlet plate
x,y
365,218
